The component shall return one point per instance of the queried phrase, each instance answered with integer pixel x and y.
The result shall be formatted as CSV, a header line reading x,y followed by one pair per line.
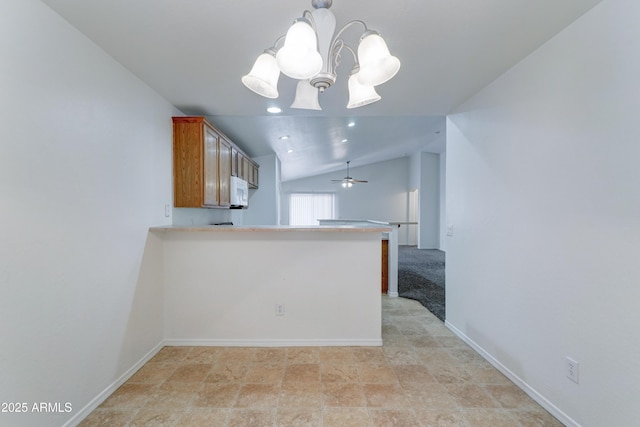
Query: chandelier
x,y
310,53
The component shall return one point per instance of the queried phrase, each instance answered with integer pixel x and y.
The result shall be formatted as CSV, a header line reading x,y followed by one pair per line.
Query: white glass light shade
x,y
346,184
263,77
306,97
360,95
376,63
299,57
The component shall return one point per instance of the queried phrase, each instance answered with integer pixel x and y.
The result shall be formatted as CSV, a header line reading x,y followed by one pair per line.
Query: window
x,y
308,208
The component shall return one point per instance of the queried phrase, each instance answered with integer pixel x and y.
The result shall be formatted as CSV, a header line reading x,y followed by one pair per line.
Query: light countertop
x,y
365,222
275,228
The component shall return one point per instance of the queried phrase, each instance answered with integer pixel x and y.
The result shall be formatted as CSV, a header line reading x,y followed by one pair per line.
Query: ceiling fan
x,y
347,181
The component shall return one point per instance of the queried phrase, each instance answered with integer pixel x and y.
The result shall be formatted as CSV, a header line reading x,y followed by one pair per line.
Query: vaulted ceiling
x,y
194,52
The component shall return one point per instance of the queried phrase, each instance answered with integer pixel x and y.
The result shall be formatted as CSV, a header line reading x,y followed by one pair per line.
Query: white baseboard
x,y
96,401
530,391
275,342
392,294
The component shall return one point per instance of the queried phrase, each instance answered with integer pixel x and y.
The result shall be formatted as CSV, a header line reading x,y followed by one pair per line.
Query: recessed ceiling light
x,y
289,151
351,124
274,110
344,140
283,137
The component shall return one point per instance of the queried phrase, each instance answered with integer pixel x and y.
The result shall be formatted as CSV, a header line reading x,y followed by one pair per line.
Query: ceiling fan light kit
x,y
348,181
311,51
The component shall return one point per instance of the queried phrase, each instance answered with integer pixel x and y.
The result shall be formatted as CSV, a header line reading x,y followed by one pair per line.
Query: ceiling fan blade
x,y
347,179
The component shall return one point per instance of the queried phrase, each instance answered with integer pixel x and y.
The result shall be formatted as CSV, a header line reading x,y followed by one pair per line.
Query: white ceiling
x,y
194,52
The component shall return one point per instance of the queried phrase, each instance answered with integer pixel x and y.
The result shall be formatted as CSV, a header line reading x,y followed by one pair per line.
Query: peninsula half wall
x,y
270,286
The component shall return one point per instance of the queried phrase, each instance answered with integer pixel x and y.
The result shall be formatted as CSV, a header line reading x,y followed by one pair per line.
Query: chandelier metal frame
x,y
311,52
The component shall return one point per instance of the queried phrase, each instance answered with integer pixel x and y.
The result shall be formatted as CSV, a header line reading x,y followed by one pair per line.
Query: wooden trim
x,y
385,266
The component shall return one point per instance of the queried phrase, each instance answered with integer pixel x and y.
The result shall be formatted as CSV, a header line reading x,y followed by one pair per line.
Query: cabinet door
x,y
188,163
211,189
254,176
224,156
234,162
245,172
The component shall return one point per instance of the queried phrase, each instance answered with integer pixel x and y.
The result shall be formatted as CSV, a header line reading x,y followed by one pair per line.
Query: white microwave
x,y
239,191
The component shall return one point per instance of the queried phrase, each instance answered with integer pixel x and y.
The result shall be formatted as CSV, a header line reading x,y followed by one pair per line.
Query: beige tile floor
x,y
422,376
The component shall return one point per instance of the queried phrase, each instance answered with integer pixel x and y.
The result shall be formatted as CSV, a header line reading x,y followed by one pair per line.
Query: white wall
x,y
85,169
426,175
197,216
429,204
234,305
383,198
443,202
264,202
543,190
412,232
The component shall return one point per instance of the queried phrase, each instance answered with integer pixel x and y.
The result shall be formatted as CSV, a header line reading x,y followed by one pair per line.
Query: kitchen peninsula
x,y
390,237
269,285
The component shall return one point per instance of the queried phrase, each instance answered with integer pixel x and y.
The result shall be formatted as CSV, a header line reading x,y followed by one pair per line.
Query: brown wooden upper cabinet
x,y
245,168
204,160
253,174
249,171
211,170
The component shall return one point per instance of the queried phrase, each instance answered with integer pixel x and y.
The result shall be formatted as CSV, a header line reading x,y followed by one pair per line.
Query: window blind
x,y
308,208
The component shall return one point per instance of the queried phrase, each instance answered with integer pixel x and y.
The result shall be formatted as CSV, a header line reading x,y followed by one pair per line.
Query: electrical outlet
x,y
450,230
572,369
280,310
167,210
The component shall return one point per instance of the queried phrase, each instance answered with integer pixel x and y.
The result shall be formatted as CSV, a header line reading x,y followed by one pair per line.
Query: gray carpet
x,y
421,277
